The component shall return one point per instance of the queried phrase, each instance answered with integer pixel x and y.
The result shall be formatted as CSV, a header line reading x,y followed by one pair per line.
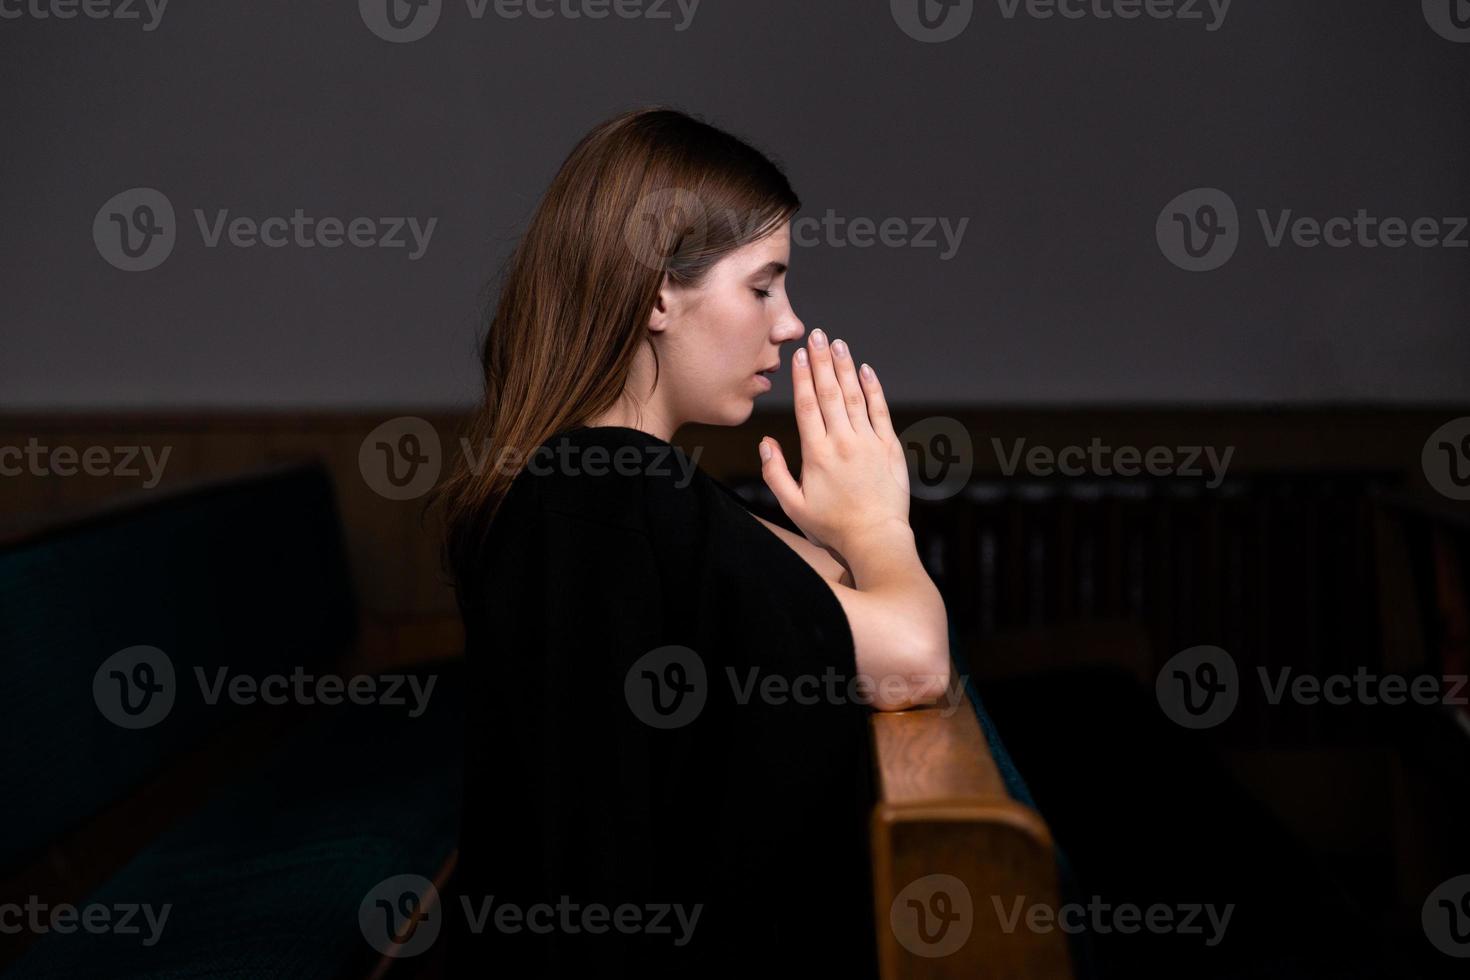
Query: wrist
x,y
888,536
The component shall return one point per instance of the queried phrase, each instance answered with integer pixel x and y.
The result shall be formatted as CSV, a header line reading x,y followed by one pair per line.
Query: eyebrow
x,y
770,268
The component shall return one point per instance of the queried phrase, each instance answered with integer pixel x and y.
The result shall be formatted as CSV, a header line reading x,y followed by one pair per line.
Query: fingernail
x,y
866,372
819,340
765,452
839,347
801,356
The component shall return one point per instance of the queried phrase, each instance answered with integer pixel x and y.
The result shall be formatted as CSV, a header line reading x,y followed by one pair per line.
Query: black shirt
x,y
661,727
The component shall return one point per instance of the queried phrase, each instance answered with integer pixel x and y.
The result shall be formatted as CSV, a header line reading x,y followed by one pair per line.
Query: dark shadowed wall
x,y
992,217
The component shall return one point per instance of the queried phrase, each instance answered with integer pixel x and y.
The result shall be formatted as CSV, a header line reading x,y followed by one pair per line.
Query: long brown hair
x,y
647,193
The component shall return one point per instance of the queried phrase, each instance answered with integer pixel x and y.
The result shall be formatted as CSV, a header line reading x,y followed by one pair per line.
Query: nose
x,y
790,328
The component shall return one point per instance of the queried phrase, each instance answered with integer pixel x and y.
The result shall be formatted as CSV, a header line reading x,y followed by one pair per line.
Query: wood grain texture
x,y
944,816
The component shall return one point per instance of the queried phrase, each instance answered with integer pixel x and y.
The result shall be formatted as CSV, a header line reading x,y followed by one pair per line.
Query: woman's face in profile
x,y
720,342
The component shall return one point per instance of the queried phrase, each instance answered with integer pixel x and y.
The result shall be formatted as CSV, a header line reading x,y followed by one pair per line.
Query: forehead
x,y
755,256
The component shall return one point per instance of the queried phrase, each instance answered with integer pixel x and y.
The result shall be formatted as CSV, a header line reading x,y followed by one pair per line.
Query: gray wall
x,y
1061,141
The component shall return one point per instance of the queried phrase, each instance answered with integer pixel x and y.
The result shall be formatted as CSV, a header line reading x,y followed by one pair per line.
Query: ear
x,y
663,304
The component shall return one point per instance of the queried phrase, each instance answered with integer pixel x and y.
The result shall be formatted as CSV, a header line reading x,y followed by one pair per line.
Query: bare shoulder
x,y
823,563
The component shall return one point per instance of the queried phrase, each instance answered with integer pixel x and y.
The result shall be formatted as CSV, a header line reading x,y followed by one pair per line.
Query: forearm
x,y
903,626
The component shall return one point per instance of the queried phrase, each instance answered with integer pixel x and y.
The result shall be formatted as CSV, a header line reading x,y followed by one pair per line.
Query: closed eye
x,y
763,293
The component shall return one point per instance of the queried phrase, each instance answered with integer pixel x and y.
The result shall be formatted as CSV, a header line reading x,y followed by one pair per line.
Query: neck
x,y
649,418
643,405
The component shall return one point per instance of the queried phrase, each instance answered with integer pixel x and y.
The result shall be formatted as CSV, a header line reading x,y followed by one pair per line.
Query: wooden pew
x,y
943,810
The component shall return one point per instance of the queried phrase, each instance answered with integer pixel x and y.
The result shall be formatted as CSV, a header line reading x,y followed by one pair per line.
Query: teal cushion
x,y
266,879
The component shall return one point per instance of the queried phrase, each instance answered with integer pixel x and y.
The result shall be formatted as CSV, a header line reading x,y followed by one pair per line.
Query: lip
x,y
764,381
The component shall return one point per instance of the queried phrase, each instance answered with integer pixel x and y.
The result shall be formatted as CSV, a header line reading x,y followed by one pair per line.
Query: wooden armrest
x,y
954,856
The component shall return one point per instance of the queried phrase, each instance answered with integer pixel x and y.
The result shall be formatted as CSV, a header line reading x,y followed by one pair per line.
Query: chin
x,y
736,411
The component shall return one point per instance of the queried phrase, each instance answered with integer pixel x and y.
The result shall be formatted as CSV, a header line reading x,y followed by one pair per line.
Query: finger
x,y
778,477
852,389
829,392
878,415
804,395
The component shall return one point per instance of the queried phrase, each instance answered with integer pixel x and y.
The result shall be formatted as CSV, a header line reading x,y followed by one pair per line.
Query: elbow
x,y
923,678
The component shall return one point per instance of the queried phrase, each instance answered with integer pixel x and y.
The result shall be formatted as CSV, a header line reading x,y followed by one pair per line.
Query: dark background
x,y
1059,141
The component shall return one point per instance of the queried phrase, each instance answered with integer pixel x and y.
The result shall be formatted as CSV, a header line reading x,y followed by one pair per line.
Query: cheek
x,y
740,333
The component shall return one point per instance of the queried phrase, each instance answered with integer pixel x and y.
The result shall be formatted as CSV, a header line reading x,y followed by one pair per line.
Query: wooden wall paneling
x,y
230,450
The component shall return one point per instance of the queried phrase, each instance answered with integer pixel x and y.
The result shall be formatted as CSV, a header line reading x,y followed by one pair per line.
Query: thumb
x,y
778,477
